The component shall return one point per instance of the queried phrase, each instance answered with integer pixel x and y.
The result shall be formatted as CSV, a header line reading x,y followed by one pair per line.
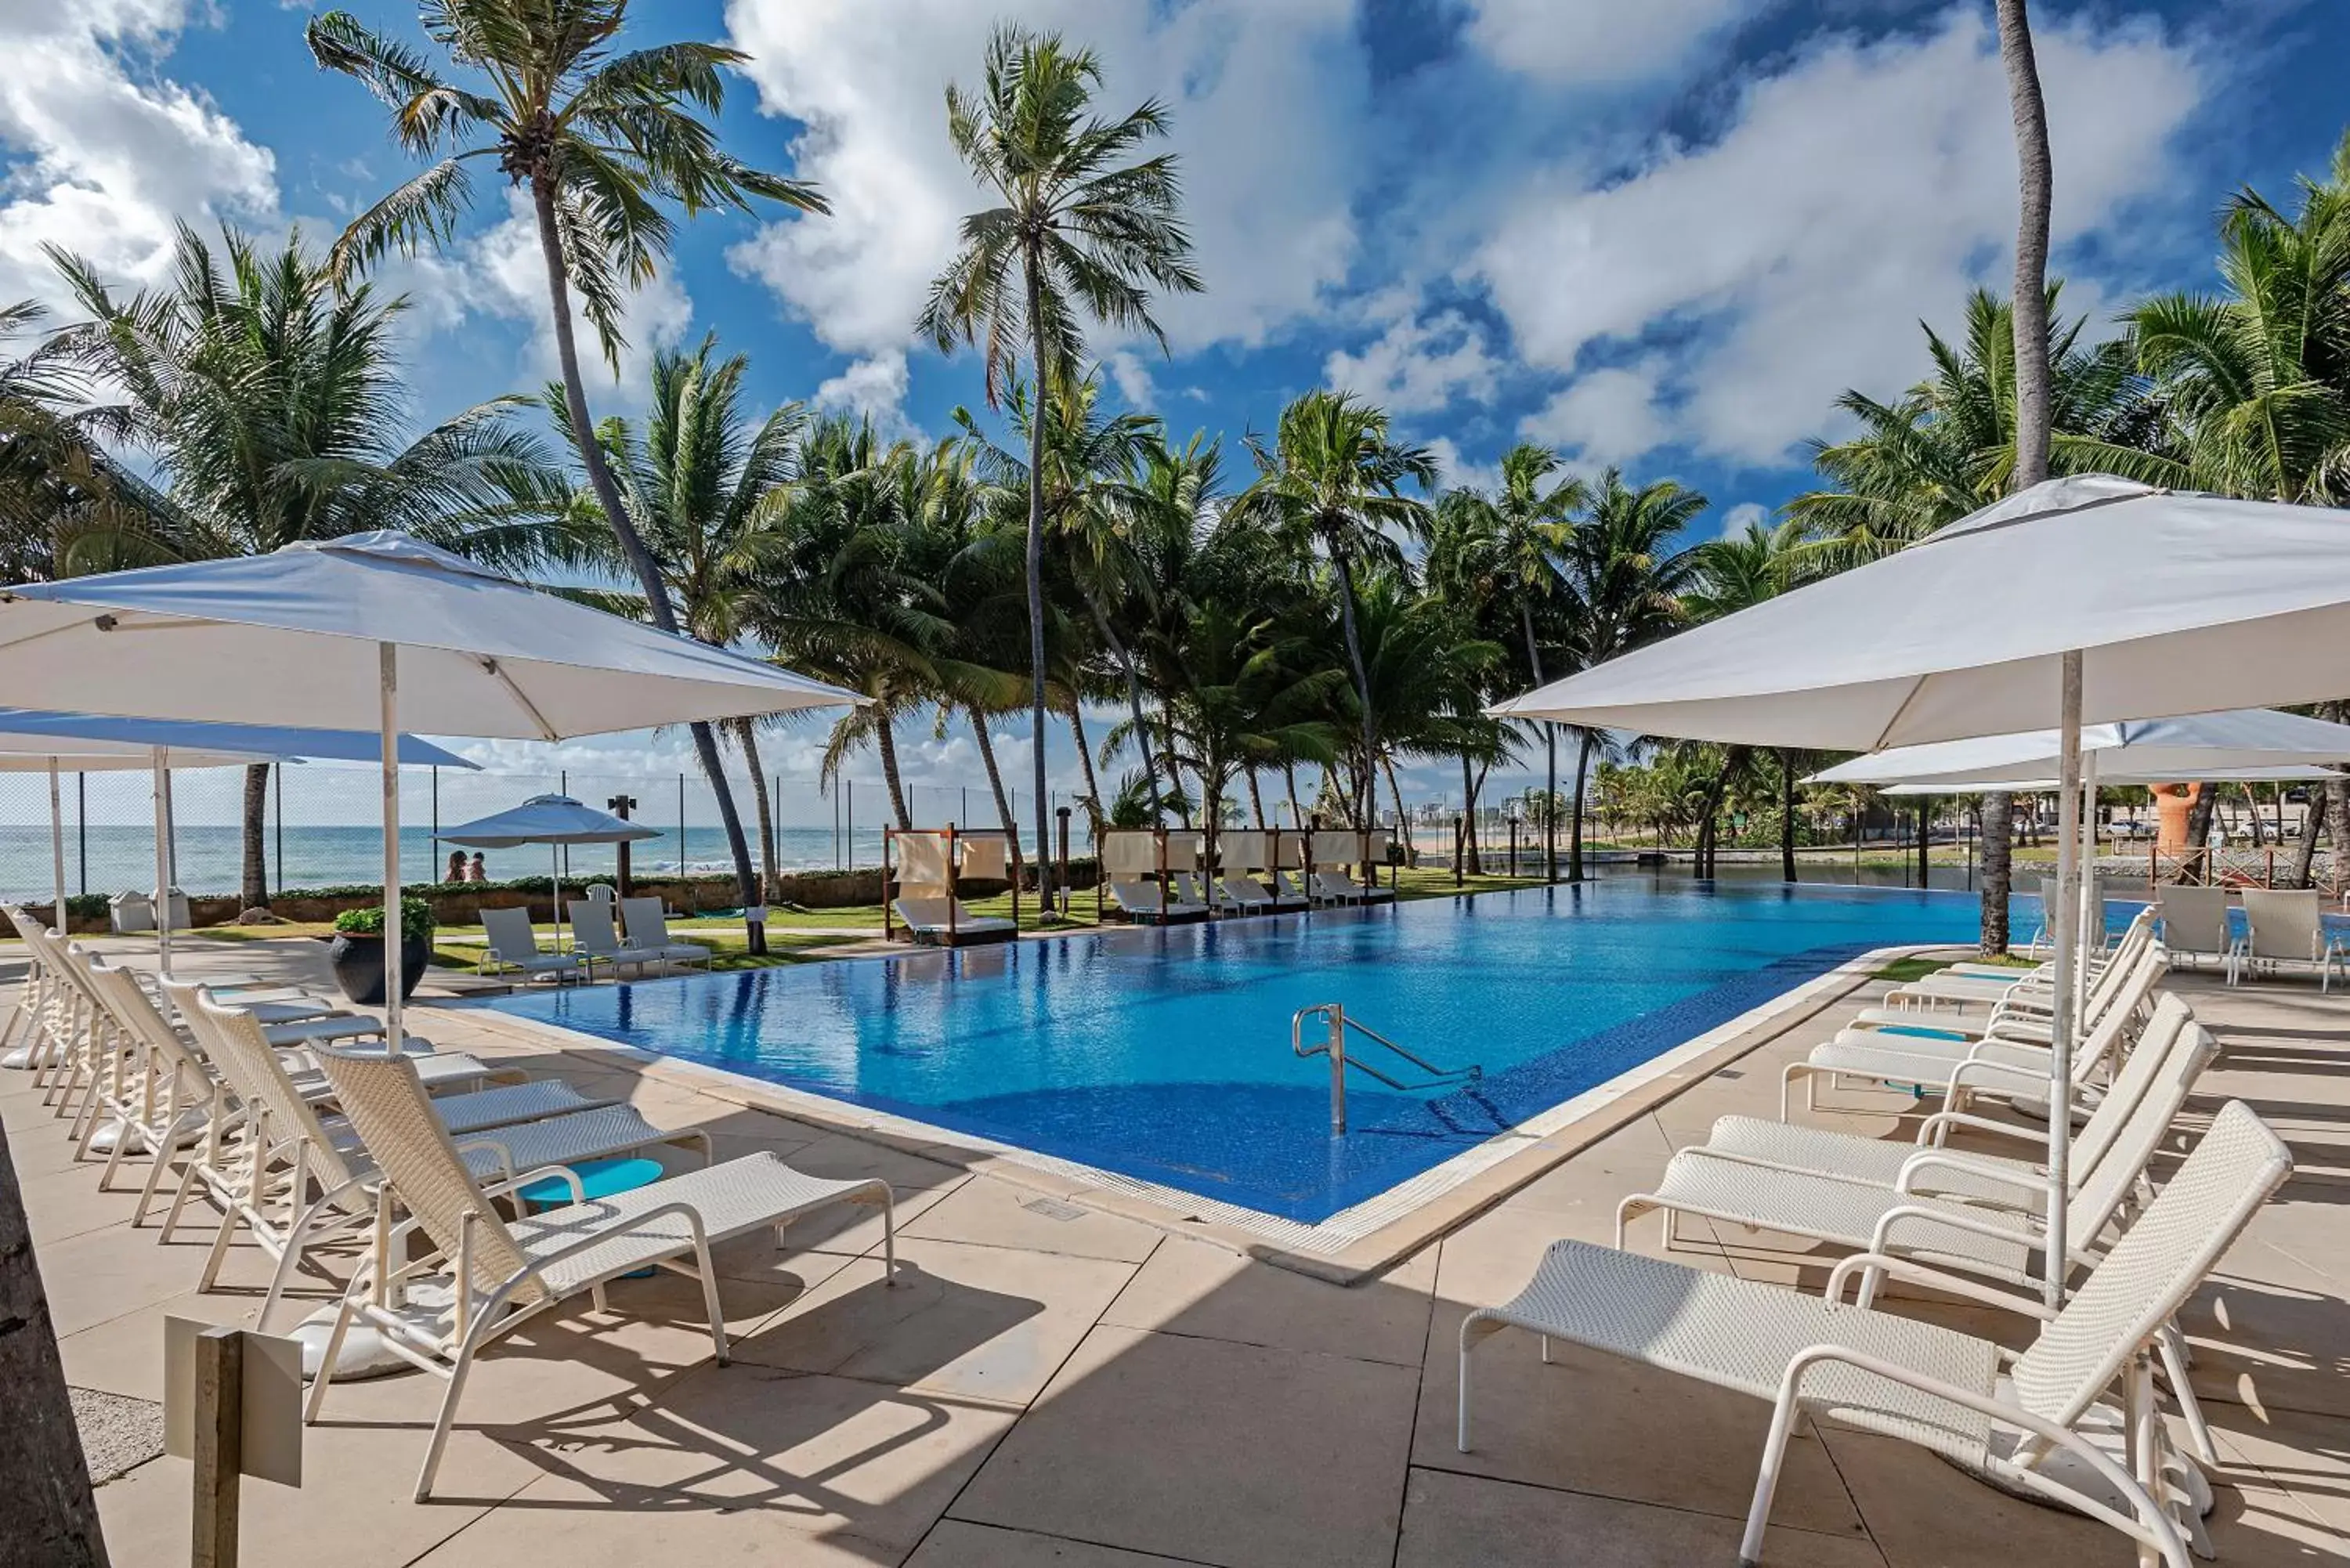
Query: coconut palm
x,y
1623,570
1742,569
274,408
2258,377
1079,231
602,141
694,479
1526,519
66,506
1332,482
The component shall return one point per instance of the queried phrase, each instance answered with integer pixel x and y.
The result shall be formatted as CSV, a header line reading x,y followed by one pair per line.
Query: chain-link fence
x,y
320,825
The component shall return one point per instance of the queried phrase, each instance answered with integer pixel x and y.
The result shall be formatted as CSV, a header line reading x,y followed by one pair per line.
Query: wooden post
x,y
1513,849
952,885
219,1434
1164,903
888,832
1061,813
1458,849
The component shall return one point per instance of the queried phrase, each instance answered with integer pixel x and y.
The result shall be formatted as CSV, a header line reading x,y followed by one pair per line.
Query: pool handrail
x,y
1334,1046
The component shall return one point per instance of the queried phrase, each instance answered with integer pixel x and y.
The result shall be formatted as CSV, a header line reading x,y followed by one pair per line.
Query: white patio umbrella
x,y
311,633
2082,600
2152,751
162,746
554,820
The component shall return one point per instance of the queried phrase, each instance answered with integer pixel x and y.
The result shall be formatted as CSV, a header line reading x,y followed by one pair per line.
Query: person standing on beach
x,y
478,872
456,872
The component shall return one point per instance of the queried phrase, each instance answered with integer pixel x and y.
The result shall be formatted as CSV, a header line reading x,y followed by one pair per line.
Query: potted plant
x,y
356,953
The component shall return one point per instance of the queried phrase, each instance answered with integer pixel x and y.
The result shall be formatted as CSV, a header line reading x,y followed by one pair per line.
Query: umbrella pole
x,y
163,862
394,938
2092,907
57,849
554,882
2067,919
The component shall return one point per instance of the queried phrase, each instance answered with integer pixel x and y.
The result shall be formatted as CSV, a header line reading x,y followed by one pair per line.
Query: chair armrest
x,y
1931,1132
1936,1159
622,1227
514,1183
1892,1218
1914,1272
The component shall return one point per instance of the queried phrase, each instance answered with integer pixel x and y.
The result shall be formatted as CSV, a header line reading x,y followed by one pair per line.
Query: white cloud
x,y
875,387
1264,100
502,273
103,152
1608,416
1133,380
1596,41
1416,363
1455,471
1745,515
1859,189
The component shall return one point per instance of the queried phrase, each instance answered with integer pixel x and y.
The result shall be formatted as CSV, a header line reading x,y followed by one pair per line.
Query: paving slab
x,y
1254,1458
998,1214
1208,1292
956,1543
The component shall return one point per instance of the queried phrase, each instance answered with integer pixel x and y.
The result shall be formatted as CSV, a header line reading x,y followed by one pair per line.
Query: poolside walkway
x,y
1051,1383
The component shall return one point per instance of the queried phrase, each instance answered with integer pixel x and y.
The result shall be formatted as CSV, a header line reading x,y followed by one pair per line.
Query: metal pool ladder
x,y
1333,1044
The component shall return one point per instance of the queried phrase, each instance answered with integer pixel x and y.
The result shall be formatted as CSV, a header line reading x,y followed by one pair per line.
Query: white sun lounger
x,y
296,1177
1967,990
945,921
1147,903
1993,1413
2288,932
513,948
645,926
2195,927
1927,1165
598,940
504,1273
1340,889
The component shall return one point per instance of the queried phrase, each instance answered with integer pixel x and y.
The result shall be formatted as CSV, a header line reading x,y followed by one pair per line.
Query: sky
x,y
1662,235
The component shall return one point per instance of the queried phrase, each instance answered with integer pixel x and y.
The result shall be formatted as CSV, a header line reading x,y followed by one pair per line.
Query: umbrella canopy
x,y
2177,603
32,732
2126,775
546,819
2153,750
300,628
39,754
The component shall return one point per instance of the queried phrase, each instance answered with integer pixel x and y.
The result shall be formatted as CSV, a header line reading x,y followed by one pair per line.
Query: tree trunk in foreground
x,y
632,544
1786,816
254,884
746,735
1035,571
1998,870
50,1520
1575,833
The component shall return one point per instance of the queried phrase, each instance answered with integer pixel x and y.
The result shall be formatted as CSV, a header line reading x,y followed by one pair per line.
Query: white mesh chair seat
x,y
435,1069
1145,901
1875,1161
513,946
755,1192
1842,1213
943,917
598,940
1924,1384
511,1103
317,1031
1741,1334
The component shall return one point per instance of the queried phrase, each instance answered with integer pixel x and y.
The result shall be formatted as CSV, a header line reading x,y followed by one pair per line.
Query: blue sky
x,y
1661,235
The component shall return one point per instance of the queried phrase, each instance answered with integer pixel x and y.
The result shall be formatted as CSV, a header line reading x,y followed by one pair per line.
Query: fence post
x,y
219,1455
1459,853
849,820
280,783
684,861
81,828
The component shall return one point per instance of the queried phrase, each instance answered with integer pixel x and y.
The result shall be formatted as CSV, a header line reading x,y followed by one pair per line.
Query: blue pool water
x,y
1166,1056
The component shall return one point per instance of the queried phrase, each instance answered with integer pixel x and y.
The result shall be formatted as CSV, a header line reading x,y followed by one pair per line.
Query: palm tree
x,y
1527,519
1078,230
2259,378
273,406
66,506
600,139
1624,572
695,483
1740,570
1333,481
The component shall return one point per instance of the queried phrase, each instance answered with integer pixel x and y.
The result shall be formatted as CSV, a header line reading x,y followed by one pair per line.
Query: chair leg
x,y
441,1423
343,1315
2190,1410
1475,1329
1766,1480
154,1185
230,1218
710,1302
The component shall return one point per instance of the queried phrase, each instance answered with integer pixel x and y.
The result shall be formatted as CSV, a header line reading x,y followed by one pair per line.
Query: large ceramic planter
x,y
358,963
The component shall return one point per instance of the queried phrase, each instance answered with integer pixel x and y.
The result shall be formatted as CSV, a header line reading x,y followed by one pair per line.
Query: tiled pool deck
x,y
1056,1382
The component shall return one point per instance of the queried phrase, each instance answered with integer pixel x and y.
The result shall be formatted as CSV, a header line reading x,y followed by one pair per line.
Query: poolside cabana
x,y
2225,602
926,865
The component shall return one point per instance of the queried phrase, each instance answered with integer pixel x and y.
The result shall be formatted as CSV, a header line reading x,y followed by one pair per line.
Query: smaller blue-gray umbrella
x,y
554,820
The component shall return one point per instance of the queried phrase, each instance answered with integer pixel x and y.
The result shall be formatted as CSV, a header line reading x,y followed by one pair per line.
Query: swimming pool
x,y
1164,1055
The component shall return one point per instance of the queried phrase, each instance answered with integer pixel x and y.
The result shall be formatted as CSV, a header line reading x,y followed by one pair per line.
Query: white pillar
x,y
57,849
162,774
2066,917
388,736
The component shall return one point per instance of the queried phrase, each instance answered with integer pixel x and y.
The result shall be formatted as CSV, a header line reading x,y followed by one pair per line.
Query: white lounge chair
x,y
1993,1413
2194,926
2288,931
945,921
2029,992
1928,1166
504,1273
1291,889
294,1177
1331,888
1247,896
512,947
597,939
1146,903
645,927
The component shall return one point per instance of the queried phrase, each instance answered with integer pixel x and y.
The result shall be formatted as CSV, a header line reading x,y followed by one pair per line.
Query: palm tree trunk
x,y
1362,681
1256,800
1998,831
54,1520
746,735
1133,699
1786,814
1296,811
633,544
2198,828
255,881
2312,822
1036,569
1575,831
1469,812
1085,764
2035,183
1403,817
2337,827
995,784
885,740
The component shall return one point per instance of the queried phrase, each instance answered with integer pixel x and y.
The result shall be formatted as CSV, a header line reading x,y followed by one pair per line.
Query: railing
x,y
1334,1046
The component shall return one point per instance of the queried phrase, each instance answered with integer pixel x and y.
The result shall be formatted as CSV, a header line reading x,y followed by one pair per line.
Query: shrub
x,y
415,920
